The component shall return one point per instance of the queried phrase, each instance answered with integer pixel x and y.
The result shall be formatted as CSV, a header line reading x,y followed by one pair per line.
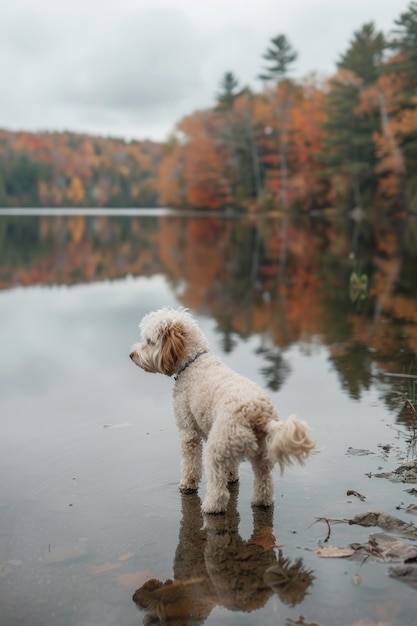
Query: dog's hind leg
x,y
263,485
218,469
191,464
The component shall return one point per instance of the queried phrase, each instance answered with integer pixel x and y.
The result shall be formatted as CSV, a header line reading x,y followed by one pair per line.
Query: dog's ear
x,y
173,349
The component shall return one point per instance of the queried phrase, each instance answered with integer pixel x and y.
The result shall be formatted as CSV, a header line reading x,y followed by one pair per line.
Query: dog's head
x,y
169,338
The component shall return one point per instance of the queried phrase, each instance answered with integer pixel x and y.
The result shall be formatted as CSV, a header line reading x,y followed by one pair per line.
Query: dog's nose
x,y
131,355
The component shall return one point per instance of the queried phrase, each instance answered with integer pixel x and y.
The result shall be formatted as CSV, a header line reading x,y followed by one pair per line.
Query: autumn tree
x,y
280,55
306,189
202,167
75,191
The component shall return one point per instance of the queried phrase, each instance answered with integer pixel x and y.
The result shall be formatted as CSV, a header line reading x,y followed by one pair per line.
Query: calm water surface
x,y
323,313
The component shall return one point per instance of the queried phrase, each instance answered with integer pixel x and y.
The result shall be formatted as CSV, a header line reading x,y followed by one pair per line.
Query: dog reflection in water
x,y
214,566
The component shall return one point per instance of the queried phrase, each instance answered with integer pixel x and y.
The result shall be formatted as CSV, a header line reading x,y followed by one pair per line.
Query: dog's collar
x,y
189,362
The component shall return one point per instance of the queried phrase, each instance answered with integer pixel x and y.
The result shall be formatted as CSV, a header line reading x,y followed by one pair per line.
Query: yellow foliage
x,y
75,192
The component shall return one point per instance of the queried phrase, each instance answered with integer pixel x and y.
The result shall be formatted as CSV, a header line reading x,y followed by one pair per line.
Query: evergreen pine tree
x,y
404,41
280,55
365,54
349,150
228,91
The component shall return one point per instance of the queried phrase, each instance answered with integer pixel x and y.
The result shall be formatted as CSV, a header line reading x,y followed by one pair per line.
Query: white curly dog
x,y
232,414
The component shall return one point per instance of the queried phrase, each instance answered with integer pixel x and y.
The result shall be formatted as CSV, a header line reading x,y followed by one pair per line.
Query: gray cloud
x,y
147,64
135,67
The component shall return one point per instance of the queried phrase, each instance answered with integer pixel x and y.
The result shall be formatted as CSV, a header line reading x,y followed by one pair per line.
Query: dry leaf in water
x,y
386,522
404,574
335,552
382,547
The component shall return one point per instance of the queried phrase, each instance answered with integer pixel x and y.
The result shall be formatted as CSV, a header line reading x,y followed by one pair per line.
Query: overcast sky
x,y
133,68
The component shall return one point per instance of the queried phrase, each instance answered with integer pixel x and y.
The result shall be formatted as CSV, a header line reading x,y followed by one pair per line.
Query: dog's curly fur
x,y
212,403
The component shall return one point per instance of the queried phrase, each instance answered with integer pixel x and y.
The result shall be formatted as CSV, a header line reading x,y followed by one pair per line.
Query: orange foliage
x,y
206,186
83,170
192,171
261,151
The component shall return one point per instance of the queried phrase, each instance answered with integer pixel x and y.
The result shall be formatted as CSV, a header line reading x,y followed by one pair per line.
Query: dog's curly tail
x,y
288,442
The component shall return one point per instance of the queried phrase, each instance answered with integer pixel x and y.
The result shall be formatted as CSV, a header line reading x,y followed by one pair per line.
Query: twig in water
x,y
329,529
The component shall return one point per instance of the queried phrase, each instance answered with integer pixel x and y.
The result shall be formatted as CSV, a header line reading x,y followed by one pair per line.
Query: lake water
x,y
321,312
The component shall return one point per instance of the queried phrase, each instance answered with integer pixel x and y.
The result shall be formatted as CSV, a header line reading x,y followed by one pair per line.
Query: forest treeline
x,y
70,169
346,141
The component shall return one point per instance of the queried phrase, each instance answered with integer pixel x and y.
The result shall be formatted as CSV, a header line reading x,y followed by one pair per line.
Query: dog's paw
x,y
187,489
263,502
214,506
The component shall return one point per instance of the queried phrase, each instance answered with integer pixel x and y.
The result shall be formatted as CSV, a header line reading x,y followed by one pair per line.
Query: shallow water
x,y
89,505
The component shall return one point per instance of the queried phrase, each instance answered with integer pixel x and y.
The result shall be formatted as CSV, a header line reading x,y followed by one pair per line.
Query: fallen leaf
x,y
406,473
412,508
358,452
404,574
383,547
379,547
335,552
386,522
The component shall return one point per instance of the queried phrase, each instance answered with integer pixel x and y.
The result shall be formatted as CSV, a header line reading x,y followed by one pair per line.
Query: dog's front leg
x,y
217,465
191,464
